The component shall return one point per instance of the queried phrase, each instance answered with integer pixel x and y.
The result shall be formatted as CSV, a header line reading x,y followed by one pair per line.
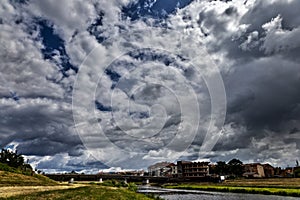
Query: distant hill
x,y
10,176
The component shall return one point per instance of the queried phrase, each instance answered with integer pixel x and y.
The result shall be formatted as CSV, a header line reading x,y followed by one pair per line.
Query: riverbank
x,y
16,185
282,187
18,179
85,192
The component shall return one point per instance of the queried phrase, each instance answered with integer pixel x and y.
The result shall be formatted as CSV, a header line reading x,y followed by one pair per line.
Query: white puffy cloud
x,y
250,53
23,69
278,39
67,16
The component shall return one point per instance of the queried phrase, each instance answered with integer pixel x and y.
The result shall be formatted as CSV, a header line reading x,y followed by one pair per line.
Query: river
x,y
178,194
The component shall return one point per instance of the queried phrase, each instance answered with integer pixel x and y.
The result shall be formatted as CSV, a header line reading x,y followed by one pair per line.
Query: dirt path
x,y
21,190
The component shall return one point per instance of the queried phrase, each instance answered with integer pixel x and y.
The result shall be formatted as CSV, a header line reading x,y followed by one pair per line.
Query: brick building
x,y
269,170
188,169
254,170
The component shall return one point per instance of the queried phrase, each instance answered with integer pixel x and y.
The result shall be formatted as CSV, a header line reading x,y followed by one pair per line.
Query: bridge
x,y
97,177
128,178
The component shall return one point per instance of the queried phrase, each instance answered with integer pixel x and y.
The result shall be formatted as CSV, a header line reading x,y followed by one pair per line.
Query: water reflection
x,y
177,194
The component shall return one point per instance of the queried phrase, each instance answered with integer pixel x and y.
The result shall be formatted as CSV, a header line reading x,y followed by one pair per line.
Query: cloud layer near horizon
x,y
255,44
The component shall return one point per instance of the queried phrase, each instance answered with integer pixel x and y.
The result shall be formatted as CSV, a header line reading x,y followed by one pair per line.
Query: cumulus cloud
x,y
142,97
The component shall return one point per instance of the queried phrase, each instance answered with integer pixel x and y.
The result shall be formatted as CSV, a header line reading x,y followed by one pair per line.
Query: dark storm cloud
x,y
263,94
266,92
264,11
44,146
261,73
213,23
265,99
42,127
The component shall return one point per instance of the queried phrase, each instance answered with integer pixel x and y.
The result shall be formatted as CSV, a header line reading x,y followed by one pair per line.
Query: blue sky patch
x,y
54,44
102,107
153,8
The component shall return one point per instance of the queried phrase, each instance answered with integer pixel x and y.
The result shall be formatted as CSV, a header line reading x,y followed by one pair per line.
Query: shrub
x,y
132,187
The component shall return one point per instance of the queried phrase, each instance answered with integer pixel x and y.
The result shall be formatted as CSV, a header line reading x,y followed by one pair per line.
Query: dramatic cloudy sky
x,y
90,85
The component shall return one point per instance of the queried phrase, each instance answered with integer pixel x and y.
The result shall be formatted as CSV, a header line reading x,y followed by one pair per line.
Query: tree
x,y
11,159
297,173
221,168
235,167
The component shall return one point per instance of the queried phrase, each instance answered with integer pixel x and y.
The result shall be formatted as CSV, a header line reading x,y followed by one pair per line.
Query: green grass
x,y
109,190
241,189
291,183
10,176
5,167
88,192
114,183
16,179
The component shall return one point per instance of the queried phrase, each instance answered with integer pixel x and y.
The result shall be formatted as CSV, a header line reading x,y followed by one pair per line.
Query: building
x,y
167,170
288,172
159,169
297,171
269,170
188,169
278,172
174,170
183,169
254,170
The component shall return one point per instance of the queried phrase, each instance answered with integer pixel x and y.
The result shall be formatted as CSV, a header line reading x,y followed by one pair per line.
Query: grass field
x,y
270,182
278,186
16,179
87,192
10,191
15,185
13,182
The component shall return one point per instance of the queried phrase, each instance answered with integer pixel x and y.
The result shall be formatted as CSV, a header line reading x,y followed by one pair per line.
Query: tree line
x,y
13,159
234,168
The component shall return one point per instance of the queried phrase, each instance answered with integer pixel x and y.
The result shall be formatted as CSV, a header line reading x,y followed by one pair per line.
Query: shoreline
x,y
293,192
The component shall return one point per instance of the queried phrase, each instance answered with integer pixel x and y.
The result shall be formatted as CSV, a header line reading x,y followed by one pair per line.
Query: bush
x,y
108,183
132,187
5,167
20,170
12,159
114,183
